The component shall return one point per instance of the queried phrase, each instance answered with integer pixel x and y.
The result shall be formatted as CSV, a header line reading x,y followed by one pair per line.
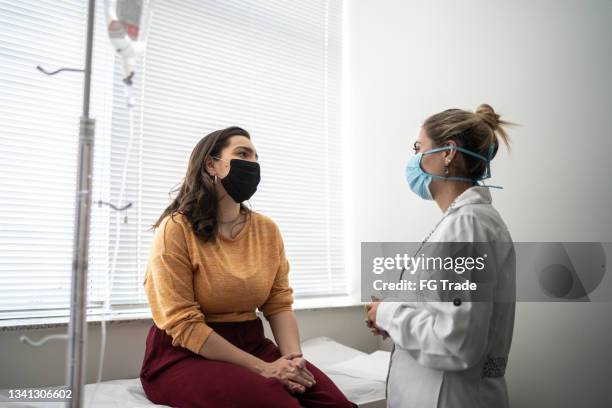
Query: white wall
x,y
544,64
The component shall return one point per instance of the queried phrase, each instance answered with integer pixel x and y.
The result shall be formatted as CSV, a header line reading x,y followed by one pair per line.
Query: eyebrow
x,y
248,149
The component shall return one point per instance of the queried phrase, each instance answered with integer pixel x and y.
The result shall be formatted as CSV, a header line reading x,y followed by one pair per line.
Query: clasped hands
x,y
291,371
370,321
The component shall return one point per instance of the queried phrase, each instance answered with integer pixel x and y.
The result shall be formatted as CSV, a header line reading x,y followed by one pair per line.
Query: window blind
x,y
272,67
39,118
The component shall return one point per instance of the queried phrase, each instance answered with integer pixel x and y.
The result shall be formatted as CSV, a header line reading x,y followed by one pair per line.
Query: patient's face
x,y
239,147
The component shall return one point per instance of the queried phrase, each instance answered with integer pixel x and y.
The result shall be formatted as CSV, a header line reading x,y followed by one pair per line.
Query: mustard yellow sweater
x,y
189,282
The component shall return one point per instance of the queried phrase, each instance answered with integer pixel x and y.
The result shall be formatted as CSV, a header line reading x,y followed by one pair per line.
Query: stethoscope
x,y
452,206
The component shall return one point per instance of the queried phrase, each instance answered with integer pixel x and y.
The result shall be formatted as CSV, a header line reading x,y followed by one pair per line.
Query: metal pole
x,y
78,299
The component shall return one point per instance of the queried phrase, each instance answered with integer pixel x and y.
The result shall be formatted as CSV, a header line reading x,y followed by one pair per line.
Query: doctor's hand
x,y
371,309
292,374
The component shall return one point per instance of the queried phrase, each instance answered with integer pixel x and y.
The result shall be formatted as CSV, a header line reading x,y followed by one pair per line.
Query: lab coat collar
x,y
473,195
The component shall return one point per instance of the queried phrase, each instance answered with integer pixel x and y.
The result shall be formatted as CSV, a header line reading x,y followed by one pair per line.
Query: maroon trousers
x,y
177,377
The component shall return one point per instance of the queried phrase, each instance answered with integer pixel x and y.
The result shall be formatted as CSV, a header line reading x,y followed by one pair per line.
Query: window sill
x,y
54,322
328,302
315,303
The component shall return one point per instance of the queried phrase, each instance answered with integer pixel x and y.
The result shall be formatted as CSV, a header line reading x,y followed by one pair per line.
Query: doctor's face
x,y
434,163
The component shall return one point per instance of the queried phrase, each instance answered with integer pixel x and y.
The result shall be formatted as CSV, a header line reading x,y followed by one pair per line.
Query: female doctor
x,y
454,354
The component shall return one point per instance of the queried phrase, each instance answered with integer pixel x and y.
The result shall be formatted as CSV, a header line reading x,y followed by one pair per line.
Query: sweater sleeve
x,y
169,287
281,294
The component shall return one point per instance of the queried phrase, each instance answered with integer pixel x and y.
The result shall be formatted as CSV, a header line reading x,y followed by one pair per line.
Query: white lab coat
x,y
440,348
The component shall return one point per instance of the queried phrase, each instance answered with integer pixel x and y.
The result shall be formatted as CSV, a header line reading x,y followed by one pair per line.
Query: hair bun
x,y
487,114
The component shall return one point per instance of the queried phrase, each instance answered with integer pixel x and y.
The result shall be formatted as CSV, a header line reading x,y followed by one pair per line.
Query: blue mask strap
x,y
455,178
482,184
490,153
461,149
489,158
478,181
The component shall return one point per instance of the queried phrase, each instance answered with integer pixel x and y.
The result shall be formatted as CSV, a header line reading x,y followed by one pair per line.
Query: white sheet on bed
x,y
359,375
368,367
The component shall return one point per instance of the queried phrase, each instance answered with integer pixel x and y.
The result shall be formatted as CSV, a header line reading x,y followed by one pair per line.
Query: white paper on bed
x,y
368,366
323,351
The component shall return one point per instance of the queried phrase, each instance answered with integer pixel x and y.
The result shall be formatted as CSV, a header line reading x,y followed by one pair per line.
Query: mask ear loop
x,y
487,159
458,148
480,182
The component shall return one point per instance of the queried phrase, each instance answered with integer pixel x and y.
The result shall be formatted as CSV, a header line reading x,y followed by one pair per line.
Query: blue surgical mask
x,y
419,180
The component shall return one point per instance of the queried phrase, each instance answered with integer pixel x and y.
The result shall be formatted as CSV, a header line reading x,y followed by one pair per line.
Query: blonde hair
x,y
475,131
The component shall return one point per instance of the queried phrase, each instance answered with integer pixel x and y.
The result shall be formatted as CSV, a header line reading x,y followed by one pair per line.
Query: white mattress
x,y
360,376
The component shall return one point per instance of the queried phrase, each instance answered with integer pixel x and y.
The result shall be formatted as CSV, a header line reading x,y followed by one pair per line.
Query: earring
x,y
446,171
215,179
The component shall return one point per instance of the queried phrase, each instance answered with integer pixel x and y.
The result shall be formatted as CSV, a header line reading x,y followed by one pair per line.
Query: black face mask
x,y
242,180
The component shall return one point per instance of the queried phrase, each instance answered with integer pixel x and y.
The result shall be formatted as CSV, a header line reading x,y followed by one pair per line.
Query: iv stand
x,y
78,299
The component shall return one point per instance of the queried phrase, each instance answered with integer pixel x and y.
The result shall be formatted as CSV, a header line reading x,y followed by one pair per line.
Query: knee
x,y
270,393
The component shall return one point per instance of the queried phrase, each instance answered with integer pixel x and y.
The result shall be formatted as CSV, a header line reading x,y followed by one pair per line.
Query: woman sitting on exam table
x,y
212,262
454,354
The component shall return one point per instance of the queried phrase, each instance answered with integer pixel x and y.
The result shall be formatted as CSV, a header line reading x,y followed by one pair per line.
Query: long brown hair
x,y
475,131
197,197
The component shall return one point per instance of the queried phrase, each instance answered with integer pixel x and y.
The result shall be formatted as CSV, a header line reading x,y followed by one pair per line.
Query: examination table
x,y
359,375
